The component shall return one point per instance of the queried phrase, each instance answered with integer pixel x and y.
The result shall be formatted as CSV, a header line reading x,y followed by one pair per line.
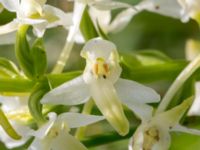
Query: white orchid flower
x,y
154,132
179,9
35,13
54,135
18,114
101,81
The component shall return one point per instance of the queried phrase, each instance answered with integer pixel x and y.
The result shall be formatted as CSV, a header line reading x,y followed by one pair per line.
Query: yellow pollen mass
x,y
100,68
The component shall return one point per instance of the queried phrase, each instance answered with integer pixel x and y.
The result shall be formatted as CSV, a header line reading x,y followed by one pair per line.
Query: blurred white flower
x,y
195,108
35,13
154,132
54,135
179,9
101,81
18,114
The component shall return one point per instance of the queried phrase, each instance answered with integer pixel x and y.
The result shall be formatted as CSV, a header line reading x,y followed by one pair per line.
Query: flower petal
x,y
70,93
11,5
36,144
195,108
65,140
21,129
43,131
9,27
108,5
98,48
143,111
181,128
76,120
8,39
61,18
169,8
130,91
106,99
122,20
171,117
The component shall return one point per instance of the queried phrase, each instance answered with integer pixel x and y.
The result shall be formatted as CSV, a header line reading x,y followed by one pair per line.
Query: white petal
x,y
143,111
195,108
169,8
31,21
39,29
171,117
76,120
122,20
11,5
103,18
106,99
181,128
65,141
9,27
130,91
98,48
64,19
44,129
36,144
21,129
70,93
28,8
108,5
8,39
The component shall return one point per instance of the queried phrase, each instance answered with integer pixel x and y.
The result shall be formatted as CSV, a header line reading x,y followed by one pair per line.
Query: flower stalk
x,y
8,127
64,56
176,85
87,108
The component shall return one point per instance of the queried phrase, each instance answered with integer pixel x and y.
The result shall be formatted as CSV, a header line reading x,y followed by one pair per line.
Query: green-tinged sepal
x,y
35,107
39,58
22,50
8,68
8,127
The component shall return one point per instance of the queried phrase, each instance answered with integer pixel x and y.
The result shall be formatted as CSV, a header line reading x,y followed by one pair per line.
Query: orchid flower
x,y
101,81
179,9
154,132
18,114
54,135
35,13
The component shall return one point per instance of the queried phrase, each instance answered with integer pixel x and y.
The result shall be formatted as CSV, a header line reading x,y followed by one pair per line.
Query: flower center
x,y
151,137
100,68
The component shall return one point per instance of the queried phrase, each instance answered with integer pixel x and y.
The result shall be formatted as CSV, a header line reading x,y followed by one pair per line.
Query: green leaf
x,y
15,85
183,141
8,68
87,27
150,57
35,107
157,70
101,32
39,58
8,127
33,60
57,79
22,50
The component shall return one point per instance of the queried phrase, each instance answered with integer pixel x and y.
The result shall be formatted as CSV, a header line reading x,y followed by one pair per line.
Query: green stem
x,y
180,80
87,108
64,56
8,127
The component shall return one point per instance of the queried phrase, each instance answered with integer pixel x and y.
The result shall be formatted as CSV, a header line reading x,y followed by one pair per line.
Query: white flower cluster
x,y
100,80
